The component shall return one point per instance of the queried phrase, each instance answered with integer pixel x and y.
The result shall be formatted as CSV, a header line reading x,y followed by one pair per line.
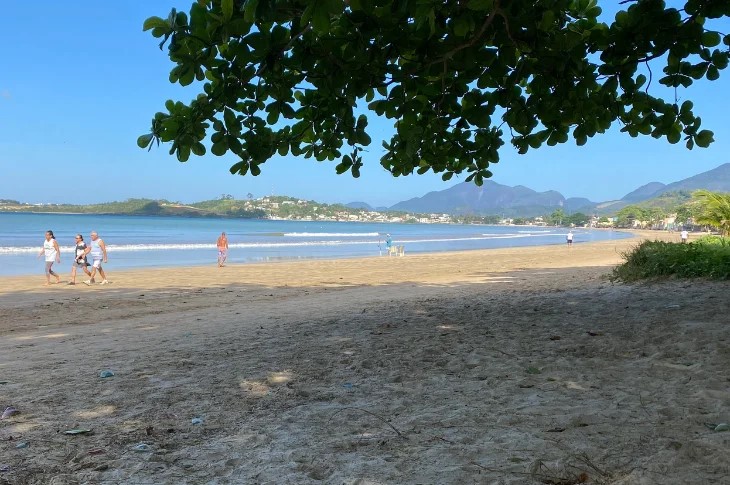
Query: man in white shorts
x,y
684,235
97,251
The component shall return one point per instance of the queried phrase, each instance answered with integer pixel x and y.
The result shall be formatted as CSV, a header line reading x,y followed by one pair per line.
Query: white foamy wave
x,y
331,234
522,234
112,248
20,250
474,238
183,247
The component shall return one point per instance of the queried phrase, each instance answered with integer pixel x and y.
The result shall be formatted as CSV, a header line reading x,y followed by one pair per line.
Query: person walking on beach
x,y
388,244
53,254
79,259
684,235
222,244
569,238
97,251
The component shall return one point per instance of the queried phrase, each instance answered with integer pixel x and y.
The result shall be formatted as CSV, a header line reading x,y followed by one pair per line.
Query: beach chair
x,y
401,250
393,251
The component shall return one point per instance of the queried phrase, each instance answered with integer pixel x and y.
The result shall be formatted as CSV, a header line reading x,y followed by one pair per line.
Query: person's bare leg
x,y
53,273
73,275
91,275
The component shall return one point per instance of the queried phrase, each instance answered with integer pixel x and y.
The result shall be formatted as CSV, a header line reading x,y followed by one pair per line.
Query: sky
x,y
80,81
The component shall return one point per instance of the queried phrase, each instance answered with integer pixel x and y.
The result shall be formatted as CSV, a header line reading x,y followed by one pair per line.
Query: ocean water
x,y
149,242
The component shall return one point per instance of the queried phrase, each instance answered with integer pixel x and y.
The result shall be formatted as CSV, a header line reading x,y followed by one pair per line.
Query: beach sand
x,y
507,366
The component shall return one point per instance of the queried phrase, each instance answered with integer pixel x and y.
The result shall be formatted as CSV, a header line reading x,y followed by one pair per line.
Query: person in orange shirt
x,y
222,244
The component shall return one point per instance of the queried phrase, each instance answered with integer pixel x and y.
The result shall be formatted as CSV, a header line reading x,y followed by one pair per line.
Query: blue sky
x,y
80,81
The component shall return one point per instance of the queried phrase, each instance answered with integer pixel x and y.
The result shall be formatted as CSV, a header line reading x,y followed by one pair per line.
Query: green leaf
x,y
307,14
249,11
183,153
711,39
198,149
704,138
548,20
713,73
187,77
156,23
198,17
674,136
240,168
220,148
321,20
145,140
227,8
344,165
257,41
462,26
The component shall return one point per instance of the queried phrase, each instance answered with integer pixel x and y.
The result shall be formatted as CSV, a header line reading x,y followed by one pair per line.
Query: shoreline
x,y
276,271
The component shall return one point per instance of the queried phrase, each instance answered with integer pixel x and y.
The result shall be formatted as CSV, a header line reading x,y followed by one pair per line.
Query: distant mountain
x,y
644,192
496,199
359,205
717,180
578,204
489,199
610,207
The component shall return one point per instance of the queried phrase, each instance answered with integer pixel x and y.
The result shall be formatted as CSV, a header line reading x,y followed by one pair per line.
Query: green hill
x,y
146,207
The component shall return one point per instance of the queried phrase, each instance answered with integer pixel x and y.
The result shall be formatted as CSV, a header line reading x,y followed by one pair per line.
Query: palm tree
x,y
714,209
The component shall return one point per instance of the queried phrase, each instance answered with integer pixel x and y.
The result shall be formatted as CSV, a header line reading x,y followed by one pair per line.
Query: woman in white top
x,y
53,254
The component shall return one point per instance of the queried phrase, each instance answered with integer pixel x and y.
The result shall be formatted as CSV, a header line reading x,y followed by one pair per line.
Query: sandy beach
x,y
507,366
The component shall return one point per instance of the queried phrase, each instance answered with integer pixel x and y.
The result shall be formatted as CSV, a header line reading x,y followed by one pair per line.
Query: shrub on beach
x,y
708,257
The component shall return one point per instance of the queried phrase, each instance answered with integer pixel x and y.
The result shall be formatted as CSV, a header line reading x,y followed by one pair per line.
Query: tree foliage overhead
x,y
458,78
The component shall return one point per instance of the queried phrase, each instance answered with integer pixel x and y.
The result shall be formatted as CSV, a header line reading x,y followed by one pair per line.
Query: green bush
x,y
713,240
708,257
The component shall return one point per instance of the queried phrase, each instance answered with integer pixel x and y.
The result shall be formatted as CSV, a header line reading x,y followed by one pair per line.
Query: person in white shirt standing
x,y
97,251
684,235
569,238
53,254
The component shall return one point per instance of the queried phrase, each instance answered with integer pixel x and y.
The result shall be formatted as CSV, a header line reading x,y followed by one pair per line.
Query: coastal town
x,y
295,209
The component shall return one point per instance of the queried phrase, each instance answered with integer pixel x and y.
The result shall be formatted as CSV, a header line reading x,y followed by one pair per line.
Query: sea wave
x,y
331,234
112,248
184,247
522,234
